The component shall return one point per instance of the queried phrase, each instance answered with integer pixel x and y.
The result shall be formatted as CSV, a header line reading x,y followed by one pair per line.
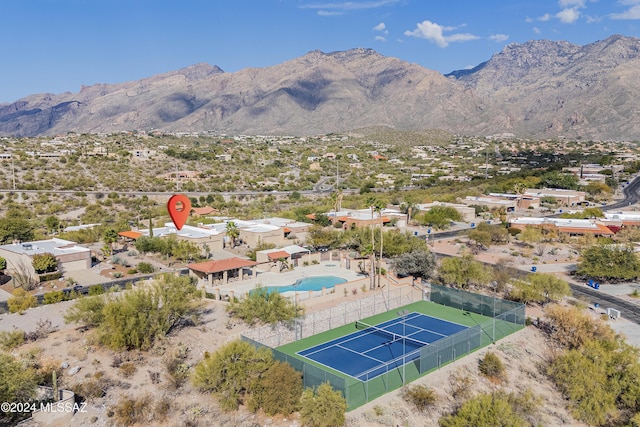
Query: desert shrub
x,y
130,410
46,277
11,339
43,328
93,388
145,268
421,396
491,366
132,271
323,407
17,384
514,231
601,380
96,290
127,369
277,391
177,370
572,328
53,297
490,410
20,300
261,305
44,263
154,376
460,384
159,308
231,372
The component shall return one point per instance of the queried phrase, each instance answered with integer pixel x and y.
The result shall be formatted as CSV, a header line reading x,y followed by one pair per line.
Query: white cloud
x,y
435,33
536,30
329,13
380,27
572,3
545,17
633,12
499,37
338,8
380,39
568,16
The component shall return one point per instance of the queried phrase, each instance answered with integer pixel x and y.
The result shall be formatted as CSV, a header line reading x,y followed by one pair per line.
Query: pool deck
x,y
267,278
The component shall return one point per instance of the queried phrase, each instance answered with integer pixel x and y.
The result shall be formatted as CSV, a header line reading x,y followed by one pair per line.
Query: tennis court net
x,y
388,334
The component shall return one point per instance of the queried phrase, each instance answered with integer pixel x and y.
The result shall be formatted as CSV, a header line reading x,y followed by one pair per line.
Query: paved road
x,y
631,196
629,310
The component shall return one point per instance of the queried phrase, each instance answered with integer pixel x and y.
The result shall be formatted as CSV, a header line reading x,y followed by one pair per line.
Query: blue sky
x,y
58,45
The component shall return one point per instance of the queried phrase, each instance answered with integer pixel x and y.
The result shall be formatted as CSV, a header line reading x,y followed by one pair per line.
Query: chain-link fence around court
x,y
348,312
498,318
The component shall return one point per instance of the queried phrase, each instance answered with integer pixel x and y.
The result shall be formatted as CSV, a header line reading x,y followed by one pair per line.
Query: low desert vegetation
x,y
263,306
135,318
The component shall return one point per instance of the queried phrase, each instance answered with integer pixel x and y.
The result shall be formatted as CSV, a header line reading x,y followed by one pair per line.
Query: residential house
x,y
70,256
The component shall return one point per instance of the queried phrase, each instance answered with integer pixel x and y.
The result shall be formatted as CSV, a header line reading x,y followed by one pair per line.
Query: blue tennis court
x,y
375,349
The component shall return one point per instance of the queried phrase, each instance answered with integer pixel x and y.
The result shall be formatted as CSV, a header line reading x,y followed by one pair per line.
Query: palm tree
x,y
376,206
232,232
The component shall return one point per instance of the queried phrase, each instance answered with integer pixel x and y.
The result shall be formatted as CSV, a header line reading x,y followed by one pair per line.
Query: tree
x,y
20,300
277,391
440,216
481,238
572,328
555,179
110,236
540,288
323,408
44,263
233,232
231,372
52,223
15,229
420,264
531,235
463,272
17,384
3,264
134,319
607,263
264,306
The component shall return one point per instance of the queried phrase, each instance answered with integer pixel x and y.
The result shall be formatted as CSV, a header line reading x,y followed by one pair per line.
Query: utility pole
x,y
13,172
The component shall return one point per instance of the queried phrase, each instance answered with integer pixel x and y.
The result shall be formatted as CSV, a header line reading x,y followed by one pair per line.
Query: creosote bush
x,y
134,319
491,366
261,305
324,407
420,396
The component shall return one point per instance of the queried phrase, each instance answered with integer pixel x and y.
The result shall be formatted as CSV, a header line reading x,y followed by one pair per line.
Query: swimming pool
x,y
314,283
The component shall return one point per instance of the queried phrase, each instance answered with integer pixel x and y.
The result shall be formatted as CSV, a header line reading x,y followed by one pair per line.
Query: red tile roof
x,y
203,211
130,234
219,265
278,255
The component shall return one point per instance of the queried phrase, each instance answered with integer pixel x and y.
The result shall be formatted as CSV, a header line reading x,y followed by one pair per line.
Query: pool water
x,y
315,283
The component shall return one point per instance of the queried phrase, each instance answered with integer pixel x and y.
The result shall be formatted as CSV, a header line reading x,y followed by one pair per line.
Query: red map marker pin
x,y
179,208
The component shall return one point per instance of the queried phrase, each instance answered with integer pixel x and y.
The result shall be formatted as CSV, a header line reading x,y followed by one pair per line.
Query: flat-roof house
x,y
207,239
573,227
564,197
70,256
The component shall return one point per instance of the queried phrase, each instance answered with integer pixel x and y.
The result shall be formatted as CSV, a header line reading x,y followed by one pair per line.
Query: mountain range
x,y
538,89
